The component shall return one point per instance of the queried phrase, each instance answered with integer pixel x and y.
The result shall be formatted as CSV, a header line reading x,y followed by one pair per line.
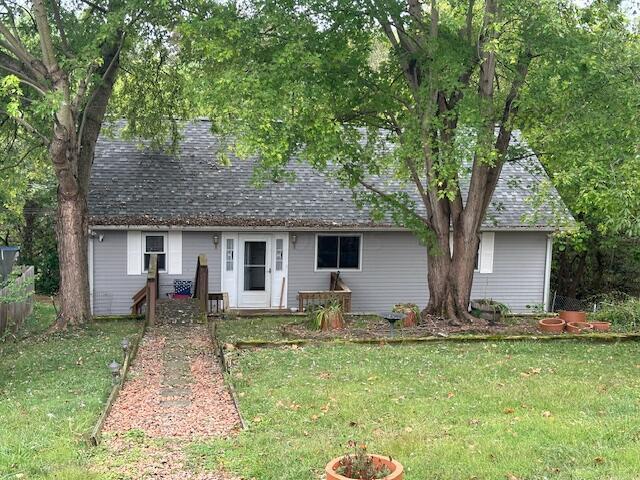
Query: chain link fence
x,y
560,302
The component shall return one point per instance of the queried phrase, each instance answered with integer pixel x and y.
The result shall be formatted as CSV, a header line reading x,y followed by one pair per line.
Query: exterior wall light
x,y
294,239
125,346
216,240
114,367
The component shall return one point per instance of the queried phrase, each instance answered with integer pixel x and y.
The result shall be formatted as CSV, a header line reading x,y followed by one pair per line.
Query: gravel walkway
x,y
174,393
175,388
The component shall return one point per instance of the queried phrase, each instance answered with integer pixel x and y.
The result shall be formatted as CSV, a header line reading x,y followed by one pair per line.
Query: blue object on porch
x,y
182,288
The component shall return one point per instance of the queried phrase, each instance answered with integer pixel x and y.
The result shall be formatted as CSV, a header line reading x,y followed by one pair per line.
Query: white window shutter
x,y
486,252
134,252
174,253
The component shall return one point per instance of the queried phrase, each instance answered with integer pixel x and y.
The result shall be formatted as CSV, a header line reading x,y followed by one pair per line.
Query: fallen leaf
x,y
546,414
509,410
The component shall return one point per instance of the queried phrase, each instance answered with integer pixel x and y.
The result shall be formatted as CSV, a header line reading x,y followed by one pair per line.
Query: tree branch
x,y
390,198
63,36
28,127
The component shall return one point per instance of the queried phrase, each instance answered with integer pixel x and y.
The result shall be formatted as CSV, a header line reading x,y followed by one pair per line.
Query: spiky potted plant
x,y
361,465
328,317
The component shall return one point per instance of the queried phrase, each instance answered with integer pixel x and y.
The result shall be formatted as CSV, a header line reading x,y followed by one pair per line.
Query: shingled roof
x,y
131,185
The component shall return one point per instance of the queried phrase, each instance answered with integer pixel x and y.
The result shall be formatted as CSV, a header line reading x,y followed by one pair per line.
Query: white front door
x,y
254,279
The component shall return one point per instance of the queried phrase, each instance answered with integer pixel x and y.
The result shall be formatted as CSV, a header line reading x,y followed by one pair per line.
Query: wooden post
x,y
202,284
152,289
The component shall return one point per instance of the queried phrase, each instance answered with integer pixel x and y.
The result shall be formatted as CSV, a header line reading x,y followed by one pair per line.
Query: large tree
x,y
335,82
59,62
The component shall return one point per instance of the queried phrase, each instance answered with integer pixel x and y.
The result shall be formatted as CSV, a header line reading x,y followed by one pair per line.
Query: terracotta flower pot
x,y
410,319
551,325
579,327
573,316
396,468
601,326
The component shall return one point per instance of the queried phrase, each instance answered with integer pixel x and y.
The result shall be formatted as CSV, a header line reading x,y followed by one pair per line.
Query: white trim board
x,y
285,228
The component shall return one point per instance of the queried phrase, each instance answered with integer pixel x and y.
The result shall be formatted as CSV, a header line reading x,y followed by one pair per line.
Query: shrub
x,y
622,311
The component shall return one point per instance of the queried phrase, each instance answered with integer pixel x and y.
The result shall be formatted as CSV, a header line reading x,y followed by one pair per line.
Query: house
x,y
266,245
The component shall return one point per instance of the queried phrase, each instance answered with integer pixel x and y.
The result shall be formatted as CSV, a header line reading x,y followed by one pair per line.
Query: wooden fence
x,y
13,312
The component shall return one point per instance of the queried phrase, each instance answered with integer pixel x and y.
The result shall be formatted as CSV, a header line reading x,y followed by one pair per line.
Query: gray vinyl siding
x,y
518,271
394,271
113,288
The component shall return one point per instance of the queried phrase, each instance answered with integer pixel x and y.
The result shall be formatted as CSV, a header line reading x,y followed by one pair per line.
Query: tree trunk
x,y
72,235
30,213
450,277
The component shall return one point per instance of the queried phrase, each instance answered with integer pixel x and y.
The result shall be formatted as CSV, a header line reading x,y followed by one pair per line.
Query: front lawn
x,y
558,410
52,390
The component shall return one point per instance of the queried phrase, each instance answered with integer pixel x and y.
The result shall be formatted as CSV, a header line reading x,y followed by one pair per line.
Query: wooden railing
x,y
201,285
338,292
145,299
16,301
153,289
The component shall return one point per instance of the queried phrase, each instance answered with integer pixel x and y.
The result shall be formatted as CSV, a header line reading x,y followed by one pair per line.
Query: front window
x,y
155,243
338,252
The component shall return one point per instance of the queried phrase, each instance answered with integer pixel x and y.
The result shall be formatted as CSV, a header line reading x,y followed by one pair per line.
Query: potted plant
x,y
411,313
361,465
488,309
328,317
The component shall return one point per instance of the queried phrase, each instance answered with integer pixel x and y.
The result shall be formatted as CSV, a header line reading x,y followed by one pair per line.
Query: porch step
x,y
182,311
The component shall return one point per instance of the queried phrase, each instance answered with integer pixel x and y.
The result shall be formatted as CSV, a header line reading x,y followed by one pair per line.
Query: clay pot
x,y
551,325
579,327
410,319
396,468
601,326
573,316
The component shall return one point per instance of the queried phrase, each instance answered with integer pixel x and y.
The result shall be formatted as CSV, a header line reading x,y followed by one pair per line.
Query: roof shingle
x,y
135,186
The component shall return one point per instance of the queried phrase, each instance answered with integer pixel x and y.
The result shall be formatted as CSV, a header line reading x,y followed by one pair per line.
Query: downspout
x,y
547,273
90,262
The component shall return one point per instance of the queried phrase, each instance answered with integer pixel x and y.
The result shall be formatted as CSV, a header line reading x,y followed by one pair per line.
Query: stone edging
x,y
593,337
219,352
93,437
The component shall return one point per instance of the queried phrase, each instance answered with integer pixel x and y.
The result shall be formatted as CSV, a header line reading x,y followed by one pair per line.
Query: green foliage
x,y
16,291
359,465
322,83
622,311
494,305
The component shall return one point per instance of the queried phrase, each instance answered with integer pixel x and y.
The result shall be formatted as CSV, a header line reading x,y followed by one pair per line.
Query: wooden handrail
x,y
152,288
201,284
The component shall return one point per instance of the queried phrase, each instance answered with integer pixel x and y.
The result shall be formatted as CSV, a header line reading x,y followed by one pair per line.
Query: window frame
x,y
165,249
341,234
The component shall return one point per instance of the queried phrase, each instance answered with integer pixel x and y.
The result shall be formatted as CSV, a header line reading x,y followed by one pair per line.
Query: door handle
x,y
269,269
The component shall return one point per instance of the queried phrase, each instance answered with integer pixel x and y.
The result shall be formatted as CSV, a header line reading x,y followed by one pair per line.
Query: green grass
x,y
52,390
562,410
253,328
